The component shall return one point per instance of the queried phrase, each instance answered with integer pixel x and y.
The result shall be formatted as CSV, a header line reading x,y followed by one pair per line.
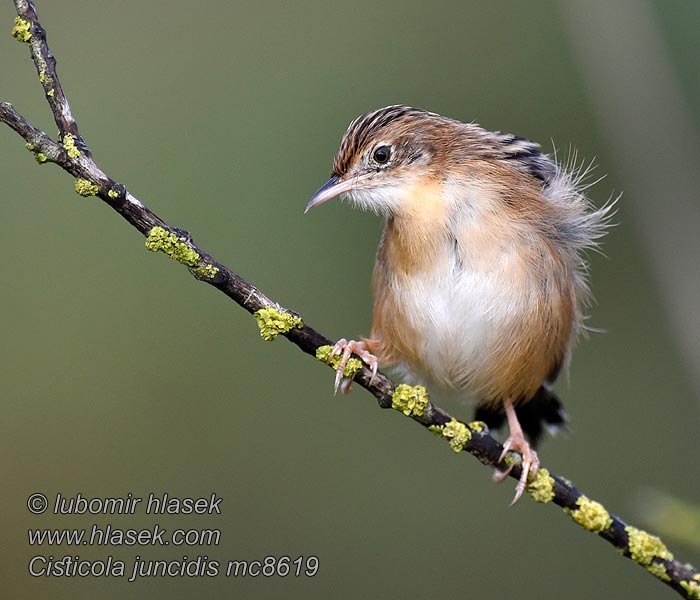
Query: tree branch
x,y
72,154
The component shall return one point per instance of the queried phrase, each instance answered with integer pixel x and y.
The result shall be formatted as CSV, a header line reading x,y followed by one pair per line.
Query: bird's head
x,y
384,154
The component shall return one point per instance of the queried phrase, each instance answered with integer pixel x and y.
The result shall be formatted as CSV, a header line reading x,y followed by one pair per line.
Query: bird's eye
x,y
381,155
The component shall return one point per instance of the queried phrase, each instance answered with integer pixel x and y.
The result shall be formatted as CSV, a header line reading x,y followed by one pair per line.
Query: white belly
x,y
460,321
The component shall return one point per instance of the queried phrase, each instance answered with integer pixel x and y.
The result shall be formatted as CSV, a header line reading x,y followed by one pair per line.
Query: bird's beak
x,y
332,188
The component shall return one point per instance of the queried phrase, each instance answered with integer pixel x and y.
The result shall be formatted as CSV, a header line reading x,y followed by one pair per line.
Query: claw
x,y
345,349
516,441
501,476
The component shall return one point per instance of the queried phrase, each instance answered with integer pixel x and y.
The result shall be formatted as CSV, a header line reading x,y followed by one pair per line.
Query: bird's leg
x,y
516,441
345,349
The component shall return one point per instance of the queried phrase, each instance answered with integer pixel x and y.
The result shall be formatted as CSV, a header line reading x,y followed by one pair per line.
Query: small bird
x,y
480,281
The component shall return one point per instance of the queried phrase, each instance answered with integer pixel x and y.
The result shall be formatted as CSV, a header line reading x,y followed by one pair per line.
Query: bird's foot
x,y
528,467
345,349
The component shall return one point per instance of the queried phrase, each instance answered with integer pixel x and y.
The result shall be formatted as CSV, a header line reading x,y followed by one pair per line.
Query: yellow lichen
x,y
457,433
513,459
436,429
69,145
208,271
410,400
85,188
644,547
273,321
541,488
478,426
51,93
323,353
21,30
159,239
352,367
658,570
691,588
40,157
590,514
44,78
113,194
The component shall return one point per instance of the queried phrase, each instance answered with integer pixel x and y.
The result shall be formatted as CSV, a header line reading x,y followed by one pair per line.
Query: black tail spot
x,y
544,410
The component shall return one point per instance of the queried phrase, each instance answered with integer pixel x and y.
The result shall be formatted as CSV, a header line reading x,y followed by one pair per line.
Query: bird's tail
x,y
543,412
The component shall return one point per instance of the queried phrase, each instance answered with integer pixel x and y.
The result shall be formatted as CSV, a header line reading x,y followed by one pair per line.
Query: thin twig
x,y
71,153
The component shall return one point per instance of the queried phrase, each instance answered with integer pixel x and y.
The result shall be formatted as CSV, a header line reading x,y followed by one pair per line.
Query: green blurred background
x,y
120,373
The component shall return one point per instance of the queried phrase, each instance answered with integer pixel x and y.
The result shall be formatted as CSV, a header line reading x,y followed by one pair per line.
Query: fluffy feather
x,y
480,282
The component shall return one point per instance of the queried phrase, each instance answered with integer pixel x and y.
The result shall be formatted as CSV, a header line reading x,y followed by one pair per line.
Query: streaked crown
x,y
389,148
